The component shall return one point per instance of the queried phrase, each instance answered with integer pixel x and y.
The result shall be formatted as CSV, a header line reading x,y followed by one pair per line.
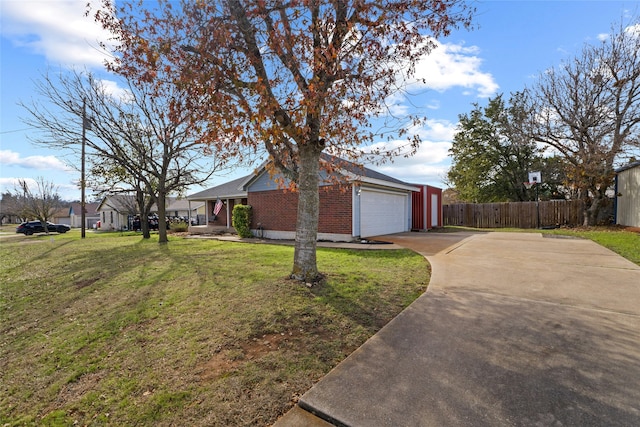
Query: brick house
x,y
355,203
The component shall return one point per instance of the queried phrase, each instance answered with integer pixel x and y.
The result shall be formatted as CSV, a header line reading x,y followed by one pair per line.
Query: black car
x,y
28,228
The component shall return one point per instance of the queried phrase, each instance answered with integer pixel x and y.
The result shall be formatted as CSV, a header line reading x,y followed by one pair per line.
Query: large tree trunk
x,y
591,209
144,215
162,217
304,259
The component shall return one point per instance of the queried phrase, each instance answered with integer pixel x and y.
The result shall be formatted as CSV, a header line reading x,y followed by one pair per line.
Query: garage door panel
x,y
382,213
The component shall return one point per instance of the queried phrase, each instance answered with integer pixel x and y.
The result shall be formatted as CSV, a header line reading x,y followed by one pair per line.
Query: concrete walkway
x,y
516,329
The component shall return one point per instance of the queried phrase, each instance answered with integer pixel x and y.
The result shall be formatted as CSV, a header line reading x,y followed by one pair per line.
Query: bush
x,y
241,220
178,226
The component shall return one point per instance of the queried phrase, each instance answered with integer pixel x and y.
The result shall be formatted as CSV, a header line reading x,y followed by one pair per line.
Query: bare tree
x,y
11,207
41,203
112,178
589,111
145,130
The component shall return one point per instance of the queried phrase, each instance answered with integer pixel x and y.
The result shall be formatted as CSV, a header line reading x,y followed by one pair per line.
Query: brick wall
x,y
335,210
277,210
221,218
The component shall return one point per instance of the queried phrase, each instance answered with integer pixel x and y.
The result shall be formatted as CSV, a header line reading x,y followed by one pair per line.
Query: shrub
x,y
241,220
178,227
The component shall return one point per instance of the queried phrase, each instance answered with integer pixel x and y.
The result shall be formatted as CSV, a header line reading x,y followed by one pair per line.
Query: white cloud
x,y
10,184
114,90
417,174
633,30
442,130
48,163
433,104
56,29
431,162
452,65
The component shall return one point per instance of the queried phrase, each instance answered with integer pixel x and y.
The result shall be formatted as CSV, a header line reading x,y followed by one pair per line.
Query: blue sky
x,y
514,41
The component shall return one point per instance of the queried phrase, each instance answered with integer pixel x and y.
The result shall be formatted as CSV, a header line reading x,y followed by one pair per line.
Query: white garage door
x,y
382,213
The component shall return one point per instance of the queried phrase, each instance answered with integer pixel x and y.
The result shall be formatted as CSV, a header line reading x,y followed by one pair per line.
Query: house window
x,y
111,217
104,217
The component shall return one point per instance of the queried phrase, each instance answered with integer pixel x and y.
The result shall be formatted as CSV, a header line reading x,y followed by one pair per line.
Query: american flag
x,y
217,207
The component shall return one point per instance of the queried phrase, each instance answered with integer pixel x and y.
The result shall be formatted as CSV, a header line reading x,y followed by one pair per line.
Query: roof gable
x,y
122,203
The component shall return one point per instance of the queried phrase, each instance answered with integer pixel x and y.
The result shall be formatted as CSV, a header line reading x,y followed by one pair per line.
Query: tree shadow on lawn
x,y
363,294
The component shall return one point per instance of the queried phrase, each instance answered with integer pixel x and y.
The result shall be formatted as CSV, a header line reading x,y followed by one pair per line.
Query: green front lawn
x,y
623,242
115,330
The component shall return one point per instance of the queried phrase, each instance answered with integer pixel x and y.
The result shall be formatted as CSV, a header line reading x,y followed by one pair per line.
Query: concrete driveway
x,y
516,329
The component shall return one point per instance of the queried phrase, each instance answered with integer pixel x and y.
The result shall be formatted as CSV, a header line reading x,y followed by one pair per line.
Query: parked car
x,y
28,228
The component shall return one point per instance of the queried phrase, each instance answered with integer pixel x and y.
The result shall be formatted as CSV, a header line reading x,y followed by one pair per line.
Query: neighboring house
x,y
627,209
115,211
366,203
91,215
60,216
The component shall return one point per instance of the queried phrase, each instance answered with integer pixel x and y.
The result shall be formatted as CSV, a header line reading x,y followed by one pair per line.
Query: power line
x,y
13,131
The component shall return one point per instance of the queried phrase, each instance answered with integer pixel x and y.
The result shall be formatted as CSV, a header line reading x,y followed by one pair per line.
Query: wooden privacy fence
x,y
513,214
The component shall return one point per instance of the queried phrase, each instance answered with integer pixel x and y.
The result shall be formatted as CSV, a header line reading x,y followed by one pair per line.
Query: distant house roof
x,y
231,189
91,209
122,203
175,204
60,213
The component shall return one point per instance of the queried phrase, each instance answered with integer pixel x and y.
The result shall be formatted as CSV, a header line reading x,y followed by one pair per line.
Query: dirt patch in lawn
x,y
86,282
228,360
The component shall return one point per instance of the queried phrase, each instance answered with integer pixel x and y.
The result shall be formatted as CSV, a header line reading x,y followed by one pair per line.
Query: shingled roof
x,y
359,170
231,189
234,189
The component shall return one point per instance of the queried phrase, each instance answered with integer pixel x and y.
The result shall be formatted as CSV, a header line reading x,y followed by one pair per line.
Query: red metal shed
x,y
426,208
